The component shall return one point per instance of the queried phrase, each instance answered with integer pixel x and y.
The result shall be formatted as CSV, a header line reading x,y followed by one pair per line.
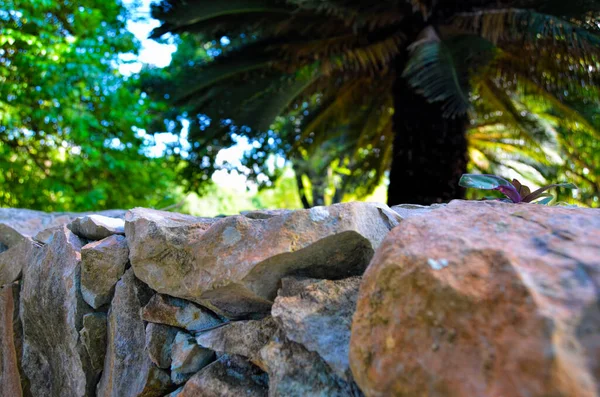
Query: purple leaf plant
x,y
515,191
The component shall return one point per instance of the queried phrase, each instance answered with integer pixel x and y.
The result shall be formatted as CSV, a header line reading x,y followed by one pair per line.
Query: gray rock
x,y
233,266
97,227
45,236
10,343
51,309
164,309
243,338
15,223
159,343
128,371
229,376
175,393
263,214
93,336
187,358
102,265
318,315
410,210
13,260
296,372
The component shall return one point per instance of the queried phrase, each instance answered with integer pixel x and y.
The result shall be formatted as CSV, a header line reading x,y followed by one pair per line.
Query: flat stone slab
x,y
97,227
51,309
10,342
164,309
103,264
233,265
229,376
318,315
13,260
159,343
187,358
128,370
242,338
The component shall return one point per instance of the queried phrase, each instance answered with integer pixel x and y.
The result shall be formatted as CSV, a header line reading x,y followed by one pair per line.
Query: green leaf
x,y
547,198
538,193
486,182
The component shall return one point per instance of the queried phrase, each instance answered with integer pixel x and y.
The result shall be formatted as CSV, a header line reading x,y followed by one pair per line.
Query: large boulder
x,y
51,309
16,224
103,264
234,265
483,299
318,315
128,370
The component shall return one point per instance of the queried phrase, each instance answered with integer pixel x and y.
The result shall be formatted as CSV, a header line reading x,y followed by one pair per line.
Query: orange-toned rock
x,y
482,299
10,351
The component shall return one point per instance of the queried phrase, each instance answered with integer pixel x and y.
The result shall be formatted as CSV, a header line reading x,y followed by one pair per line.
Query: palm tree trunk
x,y
430,151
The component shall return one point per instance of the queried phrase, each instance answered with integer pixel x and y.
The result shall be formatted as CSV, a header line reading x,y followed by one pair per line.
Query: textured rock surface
x,y
318,315
10,347
93,337
164,309
128,370
51,310
159,343
187,358
229,376
13,260
15,223
296,372
483,299
234,265
243,338
97,227
102,265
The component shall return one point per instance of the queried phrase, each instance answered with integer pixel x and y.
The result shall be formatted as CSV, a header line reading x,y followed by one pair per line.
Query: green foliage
x,y
221,200
67,117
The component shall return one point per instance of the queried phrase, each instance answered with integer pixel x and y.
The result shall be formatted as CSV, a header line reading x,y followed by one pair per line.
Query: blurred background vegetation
x,y
293,103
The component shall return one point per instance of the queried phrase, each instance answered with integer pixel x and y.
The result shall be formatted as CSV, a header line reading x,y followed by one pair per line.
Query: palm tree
x,y
351,61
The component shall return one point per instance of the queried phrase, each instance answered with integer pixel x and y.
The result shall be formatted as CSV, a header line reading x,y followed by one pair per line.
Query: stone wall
x,y
468,299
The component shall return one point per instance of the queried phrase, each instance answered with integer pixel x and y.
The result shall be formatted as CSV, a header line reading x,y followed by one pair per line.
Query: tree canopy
x,y
326,84
69,122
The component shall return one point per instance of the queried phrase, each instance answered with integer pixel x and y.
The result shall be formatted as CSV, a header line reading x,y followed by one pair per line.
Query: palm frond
x,y
513,24
372,59
179,13
213,73
441,70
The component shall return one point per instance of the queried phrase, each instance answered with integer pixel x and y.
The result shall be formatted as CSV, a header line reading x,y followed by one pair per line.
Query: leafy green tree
x,y
68,119
370,72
